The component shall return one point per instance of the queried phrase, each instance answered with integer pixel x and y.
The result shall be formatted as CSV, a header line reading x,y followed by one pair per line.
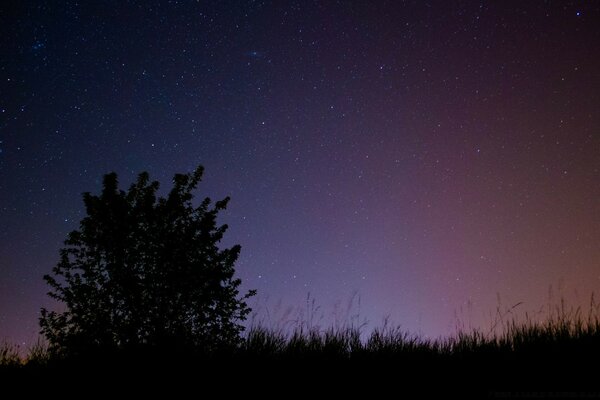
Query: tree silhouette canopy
x,y
143,270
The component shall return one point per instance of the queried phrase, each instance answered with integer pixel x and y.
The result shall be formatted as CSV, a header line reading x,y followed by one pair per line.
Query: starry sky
x,y
427,155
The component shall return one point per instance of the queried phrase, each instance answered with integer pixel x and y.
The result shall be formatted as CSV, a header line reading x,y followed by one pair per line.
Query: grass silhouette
x,y
557,351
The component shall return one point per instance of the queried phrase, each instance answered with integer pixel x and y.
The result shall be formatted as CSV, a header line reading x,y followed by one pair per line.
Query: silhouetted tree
x,y
143,270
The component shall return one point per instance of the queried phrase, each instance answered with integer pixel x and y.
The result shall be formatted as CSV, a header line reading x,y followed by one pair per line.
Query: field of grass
x,y
560,352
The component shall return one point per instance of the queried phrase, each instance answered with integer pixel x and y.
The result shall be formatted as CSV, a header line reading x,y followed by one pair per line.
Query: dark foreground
x,y
558,358
551,373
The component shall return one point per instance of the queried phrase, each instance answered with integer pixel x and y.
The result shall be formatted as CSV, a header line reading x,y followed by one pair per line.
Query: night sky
x,y
427,155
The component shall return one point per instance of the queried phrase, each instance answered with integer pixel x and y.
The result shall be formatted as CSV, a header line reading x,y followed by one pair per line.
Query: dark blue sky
x,y
427,155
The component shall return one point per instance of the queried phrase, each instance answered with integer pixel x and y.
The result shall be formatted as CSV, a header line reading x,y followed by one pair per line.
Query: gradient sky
x,y
428,155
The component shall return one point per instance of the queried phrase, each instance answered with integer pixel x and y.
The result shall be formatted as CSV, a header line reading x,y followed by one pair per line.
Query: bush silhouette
x,y
146,271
